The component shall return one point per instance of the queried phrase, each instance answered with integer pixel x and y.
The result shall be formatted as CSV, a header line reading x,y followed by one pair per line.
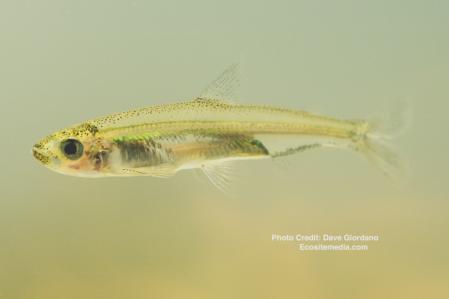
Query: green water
x,y
63,62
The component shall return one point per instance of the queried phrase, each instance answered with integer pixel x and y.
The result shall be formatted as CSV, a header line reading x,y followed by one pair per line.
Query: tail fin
x,y
377,141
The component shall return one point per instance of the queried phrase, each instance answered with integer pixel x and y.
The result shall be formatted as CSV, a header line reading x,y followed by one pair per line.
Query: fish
x,y
207,132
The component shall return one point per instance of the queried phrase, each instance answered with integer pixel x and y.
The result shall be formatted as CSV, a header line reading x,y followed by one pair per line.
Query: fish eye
x,y
72,149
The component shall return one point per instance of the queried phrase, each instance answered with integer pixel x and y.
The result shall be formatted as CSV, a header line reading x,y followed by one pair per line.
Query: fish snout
x,y
40,154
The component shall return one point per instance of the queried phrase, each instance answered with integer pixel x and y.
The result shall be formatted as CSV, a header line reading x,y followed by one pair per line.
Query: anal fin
x,y
294,150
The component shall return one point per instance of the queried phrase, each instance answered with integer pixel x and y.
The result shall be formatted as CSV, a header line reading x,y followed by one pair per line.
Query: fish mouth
x,y
40,155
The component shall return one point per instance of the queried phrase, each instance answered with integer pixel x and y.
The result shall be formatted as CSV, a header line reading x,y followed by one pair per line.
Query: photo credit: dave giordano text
x,y
328,242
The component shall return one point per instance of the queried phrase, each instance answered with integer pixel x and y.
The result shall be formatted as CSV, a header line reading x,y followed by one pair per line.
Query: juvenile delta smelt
x,y
203,133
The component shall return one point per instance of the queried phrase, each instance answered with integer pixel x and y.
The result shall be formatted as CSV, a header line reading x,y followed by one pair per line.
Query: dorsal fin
x,y
224,87
212,101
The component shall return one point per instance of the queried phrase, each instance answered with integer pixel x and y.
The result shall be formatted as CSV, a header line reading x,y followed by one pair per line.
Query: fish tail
x,y
377,138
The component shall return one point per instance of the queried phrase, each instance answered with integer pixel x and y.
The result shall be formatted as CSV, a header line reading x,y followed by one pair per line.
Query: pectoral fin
x,y
161,171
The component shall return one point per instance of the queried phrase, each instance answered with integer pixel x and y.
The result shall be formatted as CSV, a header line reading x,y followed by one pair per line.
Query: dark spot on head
x,y
92,129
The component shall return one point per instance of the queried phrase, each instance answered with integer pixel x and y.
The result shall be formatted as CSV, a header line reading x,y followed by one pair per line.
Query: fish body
x,y
163,139
201,133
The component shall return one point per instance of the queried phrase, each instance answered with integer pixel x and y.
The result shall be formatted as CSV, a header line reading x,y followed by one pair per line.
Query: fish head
x,y
75,151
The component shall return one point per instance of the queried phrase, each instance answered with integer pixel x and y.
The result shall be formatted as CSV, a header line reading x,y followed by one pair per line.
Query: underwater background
x,y
63,62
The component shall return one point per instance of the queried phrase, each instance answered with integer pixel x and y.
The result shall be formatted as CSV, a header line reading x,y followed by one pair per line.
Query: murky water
x,y
64,61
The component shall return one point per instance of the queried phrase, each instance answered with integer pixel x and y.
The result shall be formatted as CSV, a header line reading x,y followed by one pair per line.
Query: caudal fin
x,y
377,143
